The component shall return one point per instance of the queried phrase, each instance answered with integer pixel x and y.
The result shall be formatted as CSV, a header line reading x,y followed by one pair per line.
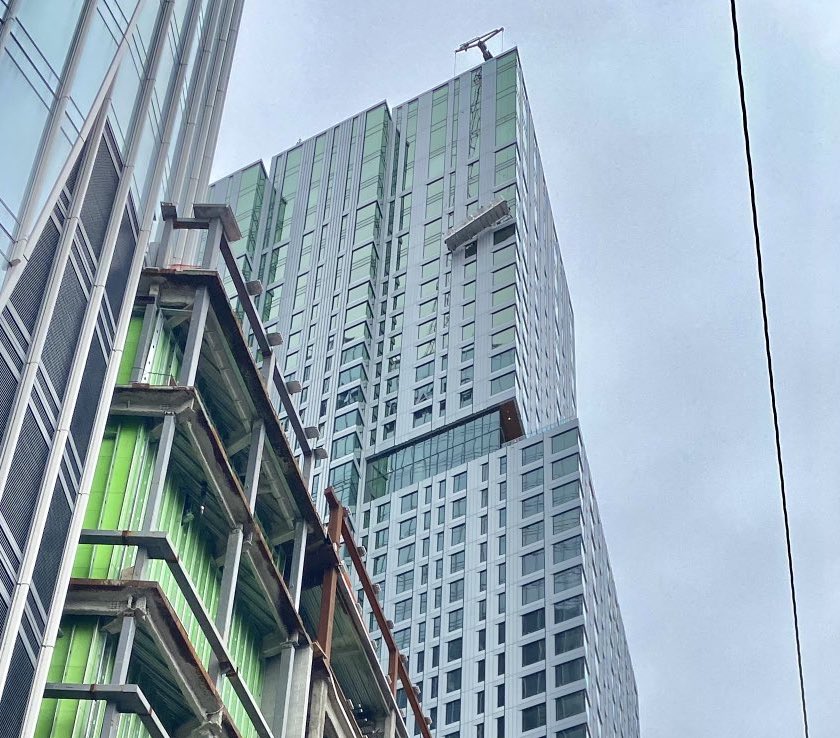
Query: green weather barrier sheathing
x,y
118,498
165,359
244,645
83,654
132,340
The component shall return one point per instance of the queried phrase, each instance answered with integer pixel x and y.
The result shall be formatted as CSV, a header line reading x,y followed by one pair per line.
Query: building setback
x,y
408,259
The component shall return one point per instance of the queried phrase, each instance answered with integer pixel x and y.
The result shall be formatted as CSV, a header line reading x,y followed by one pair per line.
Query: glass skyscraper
x,y
409,260
107,107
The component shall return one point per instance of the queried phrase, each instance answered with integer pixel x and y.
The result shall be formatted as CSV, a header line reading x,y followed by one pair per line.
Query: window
x,y
533,591
503,234
456,590
568,609
533,652
533,717
422,416
425,349
502,338
570,705
348,420
381,538
532,533
532,506
454,649
465,398
456,619
567,579
348,397
466,374
564,440
379,564
504,295
566,520
533,621
459,534
453,711
533,562
382,512
405,555
456,562
562,467
505,164
459,482
565,493
579,731
453,680
532,454
405,581
571,671
533,478
505,315
424,370
346,445
402,610
408,527
533,684
459,507
408,502
568,549
568,640
500,384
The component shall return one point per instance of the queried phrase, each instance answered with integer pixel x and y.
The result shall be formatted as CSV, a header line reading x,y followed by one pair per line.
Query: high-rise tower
x,y
107,108
409,259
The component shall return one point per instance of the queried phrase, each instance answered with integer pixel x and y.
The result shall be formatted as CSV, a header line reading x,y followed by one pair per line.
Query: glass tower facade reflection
x,y
107,107
443,387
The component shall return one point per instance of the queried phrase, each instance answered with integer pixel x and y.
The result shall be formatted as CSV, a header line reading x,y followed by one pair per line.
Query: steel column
x,y
125,644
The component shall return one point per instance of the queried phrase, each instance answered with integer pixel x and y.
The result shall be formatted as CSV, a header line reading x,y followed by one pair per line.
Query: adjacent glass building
x,y
434,348
108,107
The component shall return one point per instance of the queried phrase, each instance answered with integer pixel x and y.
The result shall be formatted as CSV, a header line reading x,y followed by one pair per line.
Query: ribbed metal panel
x,y
13,703
89,392
64,329
21,494
28,294
8,385
116,284
49,557
96,208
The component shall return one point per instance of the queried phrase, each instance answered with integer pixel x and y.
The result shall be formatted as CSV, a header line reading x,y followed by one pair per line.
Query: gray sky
x,y
639,127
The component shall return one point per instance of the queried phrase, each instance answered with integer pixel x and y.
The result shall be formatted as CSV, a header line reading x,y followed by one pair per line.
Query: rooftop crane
x,y
481,43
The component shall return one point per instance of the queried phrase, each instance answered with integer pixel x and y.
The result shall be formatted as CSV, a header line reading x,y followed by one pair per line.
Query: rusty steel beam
x,y
396,667
329,582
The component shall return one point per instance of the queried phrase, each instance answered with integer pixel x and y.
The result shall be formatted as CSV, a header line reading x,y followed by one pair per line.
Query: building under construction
x,y
207,597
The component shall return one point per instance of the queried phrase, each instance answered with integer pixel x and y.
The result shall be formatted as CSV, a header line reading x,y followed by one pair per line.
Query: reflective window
x,y
534,717
571,671
570,704
568,640
424,459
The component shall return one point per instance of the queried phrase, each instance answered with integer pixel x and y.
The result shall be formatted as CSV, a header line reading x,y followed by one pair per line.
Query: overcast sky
x,y
638,123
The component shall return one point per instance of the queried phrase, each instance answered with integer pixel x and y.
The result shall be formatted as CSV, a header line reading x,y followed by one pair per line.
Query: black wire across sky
x,y
769,357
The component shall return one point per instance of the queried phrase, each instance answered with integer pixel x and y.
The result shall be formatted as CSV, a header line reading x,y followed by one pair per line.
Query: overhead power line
x,y
769,356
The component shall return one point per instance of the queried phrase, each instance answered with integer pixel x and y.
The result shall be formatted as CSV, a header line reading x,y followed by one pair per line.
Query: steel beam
x,y
127,698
